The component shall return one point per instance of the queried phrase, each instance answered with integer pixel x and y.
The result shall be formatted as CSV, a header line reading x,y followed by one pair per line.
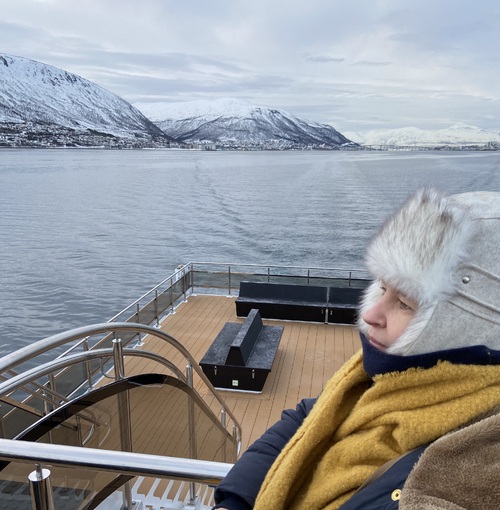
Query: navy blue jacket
x,y
254,464
384,492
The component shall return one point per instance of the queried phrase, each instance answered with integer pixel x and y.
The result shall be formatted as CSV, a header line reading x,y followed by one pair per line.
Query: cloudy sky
x,y
358,65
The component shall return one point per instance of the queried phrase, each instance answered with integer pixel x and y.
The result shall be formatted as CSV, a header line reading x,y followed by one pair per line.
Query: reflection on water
x,y
85,232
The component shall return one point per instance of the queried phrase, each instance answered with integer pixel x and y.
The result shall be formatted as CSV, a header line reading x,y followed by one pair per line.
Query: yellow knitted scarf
x,y
358,425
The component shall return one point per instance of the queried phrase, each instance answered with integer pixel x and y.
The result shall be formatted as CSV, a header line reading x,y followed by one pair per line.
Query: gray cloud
x,y
323,59
372,64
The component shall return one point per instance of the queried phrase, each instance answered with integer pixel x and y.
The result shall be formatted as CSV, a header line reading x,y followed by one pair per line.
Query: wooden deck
x,y
308,355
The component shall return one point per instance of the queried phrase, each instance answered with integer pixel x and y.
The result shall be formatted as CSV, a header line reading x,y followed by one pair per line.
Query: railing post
x,y
87,365
139,343
229,280
47,406
223,419
118,359
79,429
268,274
156,309
192,431
53,390
308,273
2,428
237,436
184,286
40,489
124,414
171,296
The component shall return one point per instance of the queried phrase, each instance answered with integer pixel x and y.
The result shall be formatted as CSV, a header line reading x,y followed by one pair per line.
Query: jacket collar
x,y
377,362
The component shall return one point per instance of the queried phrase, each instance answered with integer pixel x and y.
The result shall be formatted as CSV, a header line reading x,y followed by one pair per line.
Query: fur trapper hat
x,y
442,253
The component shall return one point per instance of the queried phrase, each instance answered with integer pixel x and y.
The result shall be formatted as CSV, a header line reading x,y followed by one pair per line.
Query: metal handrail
x,y
156,287
20,380
118,352
36,372
189,267
274,266
186,268
134,464
12,360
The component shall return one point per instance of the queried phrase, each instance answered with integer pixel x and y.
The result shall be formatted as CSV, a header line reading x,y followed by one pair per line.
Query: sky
x,y
358,65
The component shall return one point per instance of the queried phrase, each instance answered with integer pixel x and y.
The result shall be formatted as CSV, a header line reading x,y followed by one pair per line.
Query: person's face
x,y
389,317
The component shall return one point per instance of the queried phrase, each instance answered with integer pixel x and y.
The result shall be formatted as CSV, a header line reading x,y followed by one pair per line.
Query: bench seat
x,y
282,301
242,355
343,303
308,303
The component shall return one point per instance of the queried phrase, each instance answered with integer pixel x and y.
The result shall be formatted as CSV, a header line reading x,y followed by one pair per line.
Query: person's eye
x,y
403,305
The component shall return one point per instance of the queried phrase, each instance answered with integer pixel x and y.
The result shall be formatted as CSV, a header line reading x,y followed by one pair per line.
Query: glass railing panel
x,y
230,281
221,272
15,420
166,418
72,488
170,430
152,305
147,313
164,302
70,378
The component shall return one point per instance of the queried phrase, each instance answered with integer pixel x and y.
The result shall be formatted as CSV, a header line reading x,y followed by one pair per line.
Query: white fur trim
x,y
418,248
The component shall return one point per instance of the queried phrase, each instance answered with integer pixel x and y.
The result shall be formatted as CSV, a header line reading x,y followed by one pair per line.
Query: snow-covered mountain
x,y
45,101
458,134
237,123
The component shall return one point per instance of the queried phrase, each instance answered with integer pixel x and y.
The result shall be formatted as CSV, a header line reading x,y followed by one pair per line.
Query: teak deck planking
x,y
308,355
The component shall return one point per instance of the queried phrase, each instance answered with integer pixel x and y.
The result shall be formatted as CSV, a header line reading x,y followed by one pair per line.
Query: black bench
x,y
242,355
283,301
343,304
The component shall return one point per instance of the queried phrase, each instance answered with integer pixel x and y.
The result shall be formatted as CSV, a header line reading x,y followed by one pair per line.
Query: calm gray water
x,y
84,232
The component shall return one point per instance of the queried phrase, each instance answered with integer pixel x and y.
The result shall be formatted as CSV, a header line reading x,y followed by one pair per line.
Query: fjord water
x,y
85,232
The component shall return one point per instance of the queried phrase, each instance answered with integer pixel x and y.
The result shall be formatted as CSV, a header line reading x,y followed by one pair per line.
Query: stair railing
x,y
10,361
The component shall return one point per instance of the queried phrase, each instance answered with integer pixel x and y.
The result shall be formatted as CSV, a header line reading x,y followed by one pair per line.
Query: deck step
x,y
175,495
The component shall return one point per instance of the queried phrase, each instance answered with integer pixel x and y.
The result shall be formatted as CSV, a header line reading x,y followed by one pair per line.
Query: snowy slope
x,y
458,134
33,92
239,123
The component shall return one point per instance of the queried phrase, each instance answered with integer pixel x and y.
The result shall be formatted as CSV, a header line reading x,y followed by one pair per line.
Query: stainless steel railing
x,y
215,277
125,463
225,277
133,464
13,360
117,353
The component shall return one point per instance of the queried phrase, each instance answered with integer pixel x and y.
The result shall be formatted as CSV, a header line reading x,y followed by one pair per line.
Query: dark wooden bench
x,y
343,304
242,355
283,301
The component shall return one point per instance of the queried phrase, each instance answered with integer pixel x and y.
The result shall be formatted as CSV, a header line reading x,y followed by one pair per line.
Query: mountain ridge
x,y
43,99
44,106
454,135
231,123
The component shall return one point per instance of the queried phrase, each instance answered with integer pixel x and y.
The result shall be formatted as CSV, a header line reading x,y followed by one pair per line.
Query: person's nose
x,y
376,314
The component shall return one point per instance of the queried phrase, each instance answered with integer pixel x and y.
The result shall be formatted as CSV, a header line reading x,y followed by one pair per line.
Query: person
x,y
424,391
